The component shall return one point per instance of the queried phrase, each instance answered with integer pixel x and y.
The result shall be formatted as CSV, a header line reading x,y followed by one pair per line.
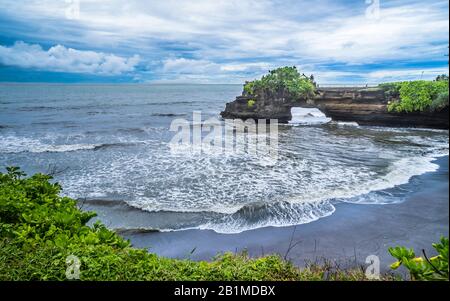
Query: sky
x,y
221,41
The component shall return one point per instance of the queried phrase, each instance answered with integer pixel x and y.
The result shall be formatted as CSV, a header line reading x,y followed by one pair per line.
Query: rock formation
x,y
366,106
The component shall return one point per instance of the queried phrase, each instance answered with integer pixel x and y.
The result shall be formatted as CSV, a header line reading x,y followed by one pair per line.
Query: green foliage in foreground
x,y
39,230
417,96
420,268
282,79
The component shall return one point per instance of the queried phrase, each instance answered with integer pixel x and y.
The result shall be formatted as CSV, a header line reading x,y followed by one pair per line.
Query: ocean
x,y
109,147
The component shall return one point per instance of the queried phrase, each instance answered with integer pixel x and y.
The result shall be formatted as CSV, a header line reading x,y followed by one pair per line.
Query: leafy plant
x,y
286,79
391,90
423,268
441,102
442,77
417,96
251,103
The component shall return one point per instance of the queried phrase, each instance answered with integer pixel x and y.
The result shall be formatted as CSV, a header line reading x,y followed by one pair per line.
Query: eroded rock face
x,y
277,108
366,106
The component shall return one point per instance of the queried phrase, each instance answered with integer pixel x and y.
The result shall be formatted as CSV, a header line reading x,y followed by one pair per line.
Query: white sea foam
x,y
343,123
275,215
313,207
317,166
17,144
358,187
304,116
14,144
400,173
317,194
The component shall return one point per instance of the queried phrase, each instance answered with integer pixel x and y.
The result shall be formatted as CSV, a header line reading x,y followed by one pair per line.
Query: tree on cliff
x,y
285,79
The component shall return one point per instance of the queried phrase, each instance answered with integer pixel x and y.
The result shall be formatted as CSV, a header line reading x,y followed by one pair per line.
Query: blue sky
x,y
221,41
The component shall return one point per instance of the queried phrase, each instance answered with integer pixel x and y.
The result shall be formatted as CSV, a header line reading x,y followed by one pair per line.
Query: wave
x,y
98,106
403,129
280,214
304,116
318,168
99,199
295,211
169,103
344,123
132,130
248,217
36,108
305,209
55,123
14,144
168,114
131,231
400,173
110,145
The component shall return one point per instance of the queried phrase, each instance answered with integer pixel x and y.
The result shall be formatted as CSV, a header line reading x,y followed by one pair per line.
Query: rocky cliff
x,y
366,106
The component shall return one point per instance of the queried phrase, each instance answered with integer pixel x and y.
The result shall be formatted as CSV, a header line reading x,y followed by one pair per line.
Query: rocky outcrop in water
x,y
366,106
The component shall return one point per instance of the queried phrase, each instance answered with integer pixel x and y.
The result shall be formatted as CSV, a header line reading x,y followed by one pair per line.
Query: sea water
x,y
110,145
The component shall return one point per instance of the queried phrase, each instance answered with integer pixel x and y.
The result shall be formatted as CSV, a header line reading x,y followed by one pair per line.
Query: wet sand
x,y
348,236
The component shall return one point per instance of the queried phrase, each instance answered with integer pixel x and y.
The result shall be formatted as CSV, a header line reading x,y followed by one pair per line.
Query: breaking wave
x,y
13,144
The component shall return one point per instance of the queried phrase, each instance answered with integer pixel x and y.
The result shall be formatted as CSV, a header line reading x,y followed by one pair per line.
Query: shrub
x,y
416,96
282,79
442,77
251,103
391,90
420,268
441,102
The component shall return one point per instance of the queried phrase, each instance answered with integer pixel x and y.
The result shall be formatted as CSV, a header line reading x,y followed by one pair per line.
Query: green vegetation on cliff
x,y
251,103
286,79
417,96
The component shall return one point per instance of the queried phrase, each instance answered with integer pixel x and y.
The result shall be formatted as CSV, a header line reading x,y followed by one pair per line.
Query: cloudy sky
x,y
221,41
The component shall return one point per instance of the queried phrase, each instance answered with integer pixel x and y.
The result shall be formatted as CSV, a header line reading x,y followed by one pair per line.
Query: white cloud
x,y
403,32
237,29
204,71
249,67
61,59
229,39
406,74
182,65
325,78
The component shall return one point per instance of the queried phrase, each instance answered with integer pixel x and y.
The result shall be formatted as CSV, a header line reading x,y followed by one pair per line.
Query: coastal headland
x,y
364,105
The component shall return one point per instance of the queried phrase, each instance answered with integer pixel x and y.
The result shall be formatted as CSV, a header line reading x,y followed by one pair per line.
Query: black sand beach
x,y
348,236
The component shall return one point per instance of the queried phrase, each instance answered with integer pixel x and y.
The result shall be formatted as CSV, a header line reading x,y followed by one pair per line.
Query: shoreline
x,y
348,236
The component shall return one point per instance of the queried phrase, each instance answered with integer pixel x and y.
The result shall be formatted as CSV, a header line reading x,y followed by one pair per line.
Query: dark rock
x,y
366,106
